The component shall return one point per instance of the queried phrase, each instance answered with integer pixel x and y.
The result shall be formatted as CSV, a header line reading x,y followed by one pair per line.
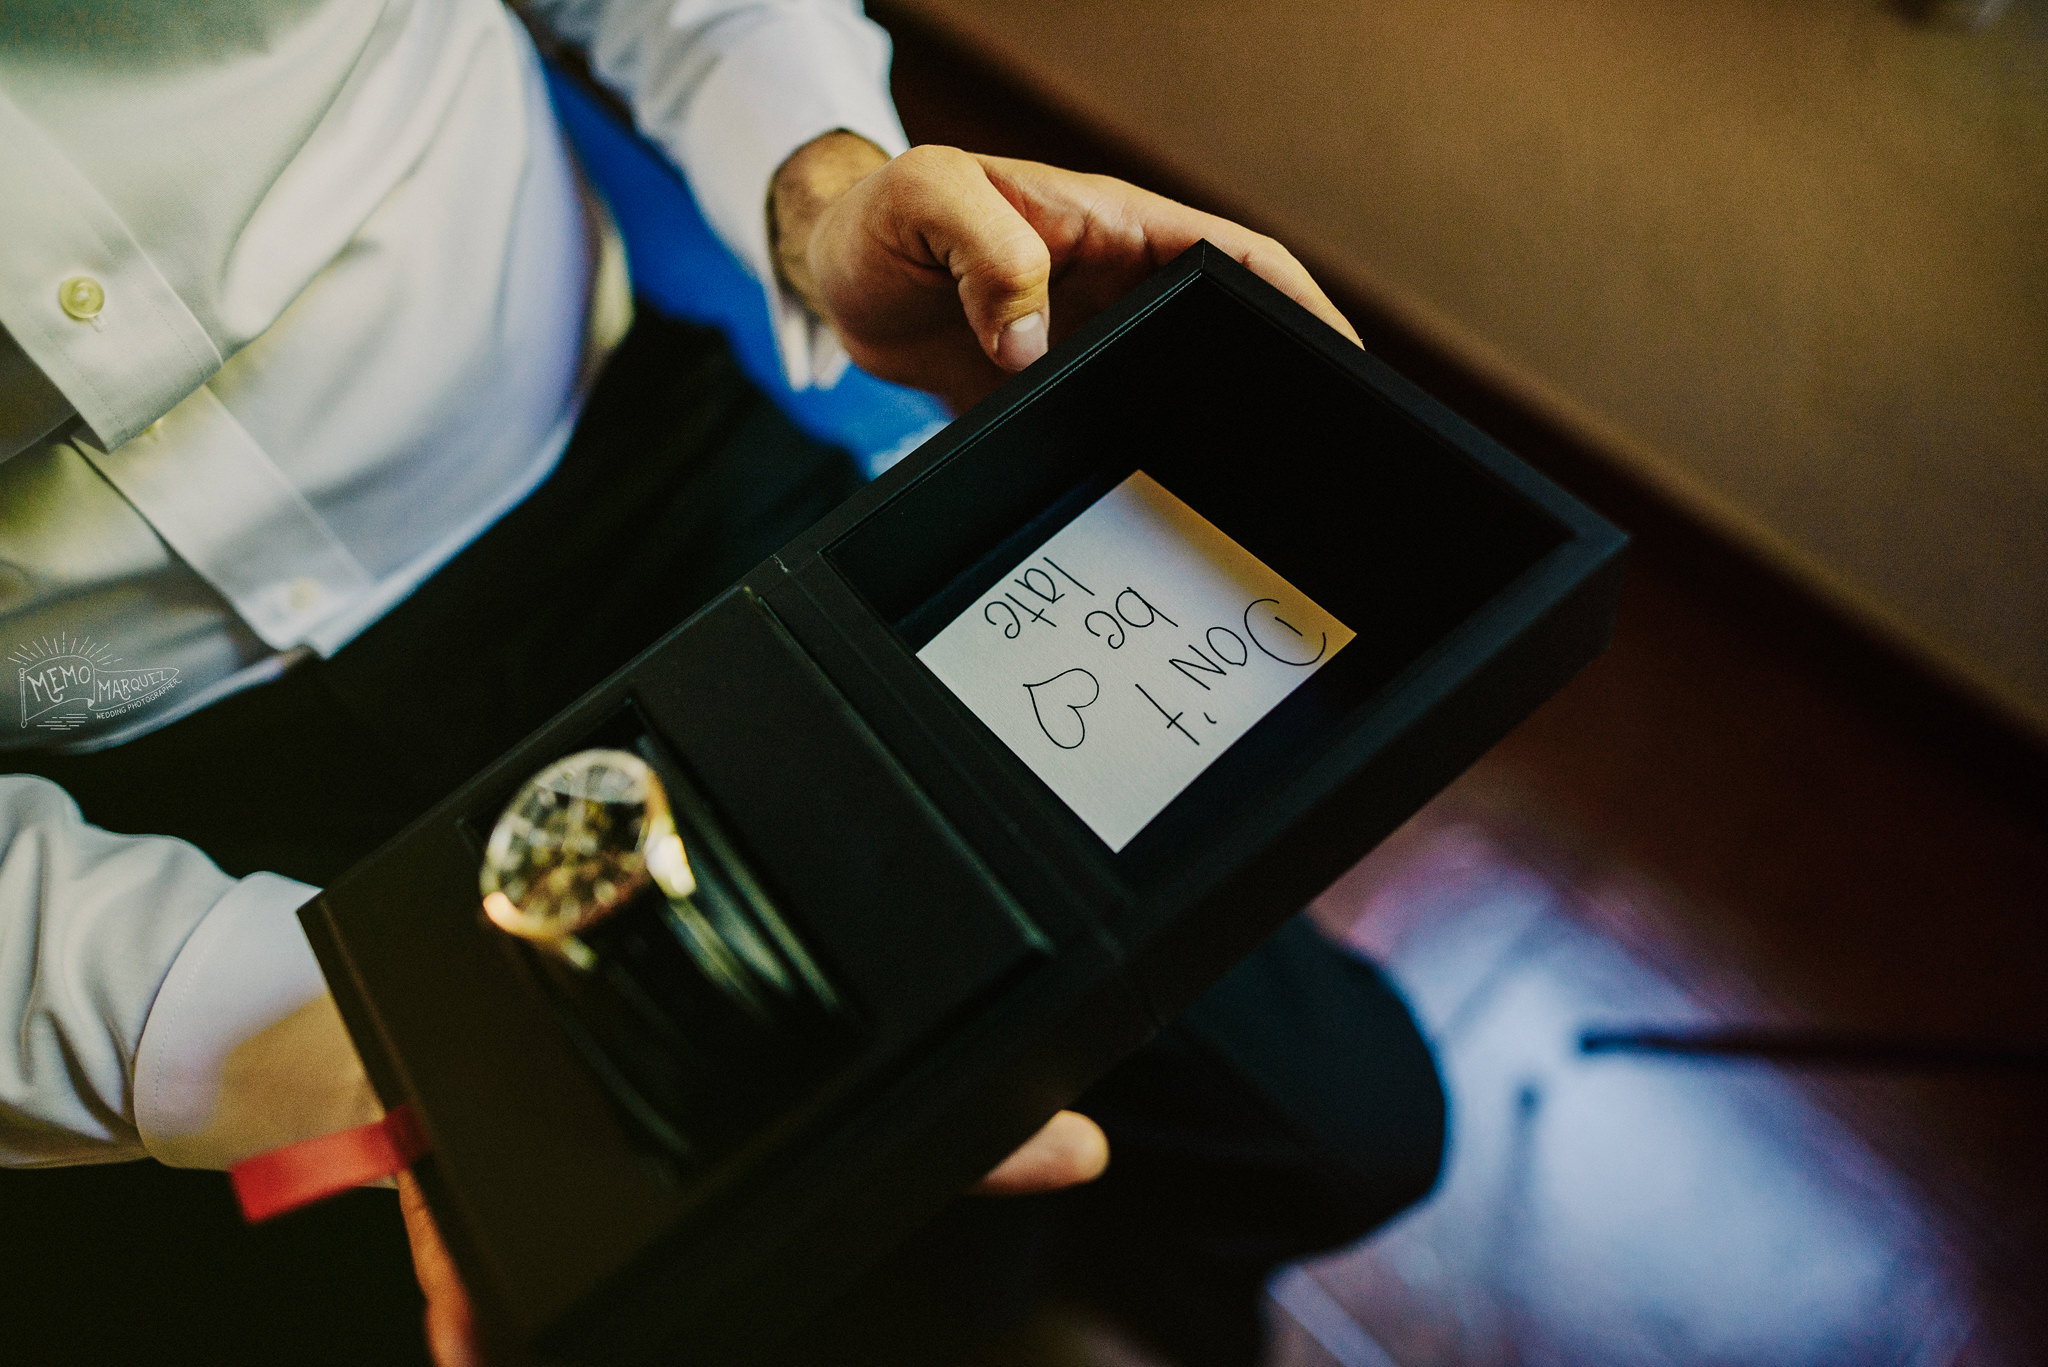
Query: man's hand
x,y
1068,1151
946,270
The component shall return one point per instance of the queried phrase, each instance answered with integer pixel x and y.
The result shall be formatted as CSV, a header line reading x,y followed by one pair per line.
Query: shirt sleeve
x,y
83,300
729,88
155,1006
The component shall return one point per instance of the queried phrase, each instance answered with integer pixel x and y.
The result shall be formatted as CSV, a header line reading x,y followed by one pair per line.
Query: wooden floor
x,y
1651,1209
1744,814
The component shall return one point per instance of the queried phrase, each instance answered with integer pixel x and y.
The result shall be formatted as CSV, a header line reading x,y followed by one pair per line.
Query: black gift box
x,y
981,954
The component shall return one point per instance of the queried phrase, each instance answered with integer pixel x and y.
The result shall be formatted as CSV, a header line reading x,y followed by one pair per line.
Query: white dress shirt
x,y
298,298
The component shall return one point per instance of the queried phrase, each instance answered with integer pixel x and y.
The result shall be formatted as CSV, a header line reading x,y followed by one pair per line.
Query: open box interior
x,y
1379,519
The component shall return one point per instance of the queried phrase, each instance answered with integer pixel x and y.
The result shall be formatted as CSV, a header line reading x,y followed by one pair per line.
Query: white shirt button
x,y
82,297
302,594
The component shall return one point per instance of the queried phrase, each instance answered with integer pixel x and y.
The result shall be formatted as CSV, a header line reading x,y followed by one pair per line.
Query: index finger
x,y
1103,205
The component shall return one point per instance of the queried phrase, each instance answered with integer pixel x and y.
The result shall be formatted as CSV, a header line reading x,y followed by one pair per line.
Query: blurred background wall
x,y
1786,261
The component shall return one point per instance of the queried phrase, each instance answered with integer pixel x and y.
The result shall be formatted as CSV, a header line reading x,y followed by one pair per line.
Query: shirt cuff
x,y
785,84
244,1050
81,297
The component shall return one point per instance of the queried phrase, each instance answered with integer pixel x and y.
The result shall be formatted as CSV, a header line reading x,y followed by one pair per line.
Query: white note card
x,y
1125,655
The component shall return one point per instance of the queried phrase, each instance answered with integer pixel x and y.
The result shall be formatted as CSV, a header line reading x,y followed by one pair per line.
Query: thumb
x,y
1070,1149
998,260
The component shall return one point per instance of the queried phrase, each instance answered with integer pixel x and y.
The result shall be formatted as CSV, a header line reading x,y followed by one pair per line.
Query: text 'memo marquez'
x,y
67,683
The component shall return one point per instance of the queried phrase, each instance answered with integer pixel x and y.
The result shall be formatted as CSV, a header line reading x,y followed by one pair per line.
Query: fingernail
x,y
1022,342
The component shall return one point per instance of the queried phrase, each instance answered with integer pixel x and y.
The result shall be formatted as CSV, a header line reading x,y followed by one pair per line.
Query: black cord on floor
x,y
1820,1049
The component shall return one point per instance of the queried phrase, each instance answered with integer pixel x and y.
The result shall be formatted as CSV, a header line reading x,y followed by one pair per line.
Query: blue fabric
x,y
679,266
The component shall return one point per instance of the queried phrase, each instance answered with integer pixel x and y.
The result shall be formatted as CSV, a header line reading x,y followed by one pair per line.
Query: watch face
x,y
580,839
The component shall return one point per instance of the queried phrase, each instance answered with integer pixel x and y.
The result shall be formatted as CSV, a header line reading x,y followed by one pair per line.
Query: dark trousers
x,y
1291,1110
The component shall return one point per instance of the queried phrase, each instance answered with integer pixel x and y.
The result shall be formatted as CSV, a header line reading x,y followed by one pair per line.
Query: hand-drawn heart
x,y
1059,709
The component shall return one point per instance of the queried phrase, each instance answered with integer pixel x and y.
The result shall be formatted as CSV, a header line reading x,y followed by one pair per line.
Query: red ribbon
x,y
296,1175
